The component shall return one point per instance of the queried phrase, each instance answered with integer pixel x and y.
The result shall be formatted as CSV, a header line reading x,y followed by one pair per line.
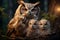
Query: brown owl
x,y
44,26
23,14
38,29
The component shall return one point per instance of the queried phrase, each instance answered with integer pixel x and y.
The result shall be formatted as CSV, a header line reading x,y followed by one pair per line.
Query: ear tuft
x,y
20,1
37,3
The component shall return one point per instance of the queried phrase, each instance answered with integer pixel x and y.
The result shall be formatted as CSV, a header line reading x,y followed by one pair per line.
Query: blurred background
x,y
8,7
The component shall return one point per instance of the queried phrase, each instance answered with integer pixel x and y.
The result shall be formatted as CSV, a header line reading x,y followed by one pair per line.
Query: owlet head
x,y
44,24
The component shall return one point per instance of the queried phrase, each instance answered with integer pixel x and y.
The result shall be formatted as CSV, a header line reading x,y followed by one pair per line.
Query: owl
x,y
44,26
23,14
31,9
32,30
38,29
30,26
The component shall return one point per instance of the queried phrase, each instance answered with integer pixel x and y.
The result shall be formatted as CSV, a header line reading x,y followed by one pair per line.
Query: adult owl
x,y
24,12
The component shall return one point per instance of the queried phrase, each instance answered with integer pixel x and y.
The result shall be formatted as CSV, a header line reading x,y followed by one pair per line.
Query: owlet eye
x,y
46,24
30,23
41,24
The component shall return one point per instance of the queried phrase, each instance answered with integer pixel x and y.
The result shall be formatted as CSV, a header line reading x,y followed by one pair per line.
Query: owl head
x,y
28,8
33,29
44,26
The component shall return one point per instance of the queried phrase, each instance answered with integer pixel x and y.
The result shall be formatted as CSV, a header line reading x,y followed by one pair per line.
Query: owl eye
x,y
34,9
41,24
24,9
46,24
30,23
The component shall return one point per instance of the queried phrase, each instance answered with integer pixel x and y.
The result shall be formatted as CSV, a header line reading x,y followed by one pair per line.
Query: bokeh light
x,y
57,10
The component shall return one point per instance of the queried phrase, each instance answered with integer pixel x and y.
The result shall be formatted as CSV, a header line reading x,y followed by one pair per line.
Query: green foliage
x,y
1,9
45,15
52,17
4,15
4,19
49,16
